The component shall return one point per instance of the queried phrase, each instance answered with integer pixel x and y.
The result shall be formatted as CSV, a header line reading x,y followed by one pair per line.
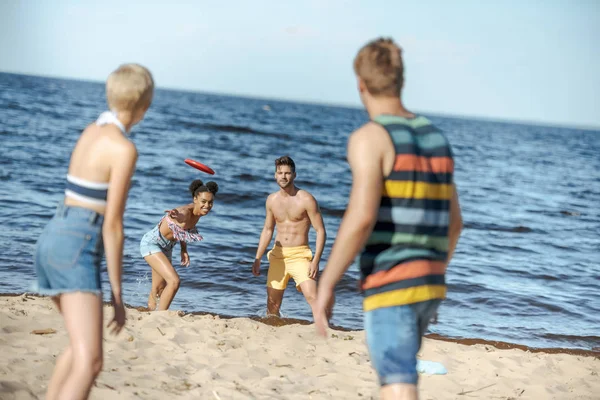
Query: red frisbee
x,y
199,166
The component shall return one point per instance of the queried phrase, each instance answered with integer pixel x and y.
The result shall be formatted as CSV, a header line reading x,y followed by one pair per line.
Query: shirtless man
x,y
293,211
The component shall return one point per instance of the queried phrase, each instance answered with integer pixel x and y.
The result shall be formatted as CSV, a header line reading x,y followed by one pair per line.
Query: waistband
x,y
290,250
162,241
94,218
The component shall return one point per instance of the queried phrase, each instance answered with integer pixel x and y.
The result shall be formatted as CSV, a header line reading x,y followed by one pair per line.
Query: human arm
x,y
121,171
454,230
365,158
316,220
185,257
456,223
179,215
265,237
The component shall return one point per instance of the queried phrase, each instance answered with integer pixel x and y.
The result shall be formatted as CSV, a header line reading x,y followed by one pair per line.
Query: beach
x,y
162,354
529,250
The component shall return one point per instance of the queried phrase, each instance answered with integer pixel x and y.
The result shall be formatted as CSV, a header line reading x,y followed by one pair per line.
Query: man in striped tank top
x,y
403,221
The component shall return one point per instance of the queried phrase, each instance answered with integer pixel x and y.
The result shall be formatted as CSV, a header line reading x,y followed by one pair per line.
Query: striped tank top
x,y
404,259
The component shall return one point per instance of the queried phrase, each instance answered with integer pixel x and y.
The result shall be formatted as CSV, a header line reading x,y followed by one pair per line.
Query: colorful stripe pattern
x,y
404,260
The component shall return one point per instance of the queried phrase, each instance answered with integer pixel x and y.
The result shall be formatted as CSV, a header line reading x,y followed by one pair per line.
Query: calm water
x,y
527,268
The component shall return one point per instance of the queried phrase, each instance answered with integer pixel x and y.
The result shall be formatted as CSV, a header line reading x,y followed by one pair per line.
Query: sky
x,y
535,60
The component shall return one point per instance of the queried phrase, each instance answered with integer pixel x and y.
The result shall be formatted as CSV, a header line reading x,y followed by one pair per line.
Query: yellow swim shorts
x,y
286,263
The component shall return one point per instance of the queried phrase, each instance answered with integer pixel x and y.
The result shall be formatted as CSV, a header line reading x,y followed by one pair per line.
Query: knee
x,y
310,294
96,365
158,287
310,298
89,364
173,281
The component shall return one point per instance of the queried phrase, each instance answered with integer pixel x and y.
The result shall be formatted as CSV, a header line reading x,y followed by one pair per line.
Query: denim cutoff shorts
x,y
154,242
394,337
69,253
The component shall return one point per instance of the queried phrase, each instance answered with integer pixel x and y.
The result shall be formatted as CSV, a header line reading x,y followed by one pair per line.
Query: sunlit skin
x,y
165,280
293,211
371,157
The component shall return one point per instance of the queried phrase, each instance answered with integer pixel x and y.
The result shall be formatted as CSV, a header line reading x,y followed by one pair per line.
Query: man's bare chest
x,y
289,213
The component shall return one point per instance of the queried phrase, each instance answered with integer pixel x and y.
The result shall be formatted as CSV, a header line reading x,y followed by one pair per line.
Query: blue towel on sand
x,y
431,368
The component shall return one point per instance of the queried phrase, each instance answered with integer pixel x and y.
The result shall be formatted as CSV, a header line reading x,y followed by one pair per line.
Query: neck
x,y
387,105
126,118
290,190
194,211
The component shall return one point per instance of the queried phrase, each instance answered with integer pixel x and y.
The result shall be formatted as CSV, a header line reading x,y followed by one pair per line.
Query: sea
x,y
526,269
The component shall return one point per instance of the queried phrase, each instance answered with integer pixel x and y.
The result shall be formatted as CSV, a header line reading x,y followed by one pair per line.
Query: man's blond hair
x,y
379,65
130,87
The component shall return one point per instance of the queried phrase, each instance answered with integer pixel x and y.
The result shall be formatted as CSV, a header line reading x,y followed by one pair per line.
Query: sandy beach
x,y
173,354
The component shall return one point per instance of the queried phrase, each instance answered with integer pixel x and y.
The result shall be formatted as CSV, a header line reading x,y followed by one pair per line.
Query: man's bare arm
x,y
456,224
267,231
316,220
365,159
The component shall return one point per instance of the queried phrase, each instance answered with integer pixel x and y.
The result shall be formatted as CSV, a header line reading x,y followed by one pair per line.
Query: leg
x,y
299,265
162,284
329,310
158,285
83,320
274,300
399,391
162,266
277,280
309,290
62,368
60,374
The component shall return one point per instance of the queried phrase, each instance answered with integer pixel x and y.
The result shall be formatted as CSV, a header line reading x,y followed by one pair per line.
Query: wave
x,y
500,228
310,139
231,128
332,212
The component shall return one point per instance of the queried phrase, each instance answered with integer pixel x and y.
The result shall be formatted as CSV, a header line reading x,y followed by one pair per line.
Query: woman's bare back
x,y
92,156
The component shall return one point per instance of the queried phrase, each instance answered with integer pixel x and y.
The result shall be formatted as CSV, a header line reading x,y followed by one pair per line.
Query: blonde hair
x,y
379,65
129,87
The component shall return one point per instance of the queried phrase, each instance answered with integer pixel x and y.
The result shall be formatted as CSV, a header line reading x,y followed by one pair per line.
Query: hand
x,y
256,267
185,259
324,300
118,321
313,270
174,214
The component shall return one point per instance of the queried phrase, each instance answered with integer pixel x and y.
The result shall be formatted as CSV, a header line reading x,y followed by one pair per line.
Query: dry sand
x,y
170,354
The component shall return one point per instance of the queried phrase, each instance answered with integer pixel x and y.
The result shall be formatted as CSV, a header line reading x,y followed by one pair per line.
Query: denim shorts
x,y
69,252
394,338
154,242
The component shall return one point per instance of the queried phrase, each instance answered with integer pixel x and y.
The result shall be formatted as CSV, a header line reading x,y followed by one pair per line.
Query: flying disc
x,y
199,166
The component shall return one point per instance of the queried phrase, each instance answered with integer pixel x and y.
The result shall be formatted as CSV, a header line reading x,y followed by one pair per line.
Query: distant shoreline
x,y
278,322
514,121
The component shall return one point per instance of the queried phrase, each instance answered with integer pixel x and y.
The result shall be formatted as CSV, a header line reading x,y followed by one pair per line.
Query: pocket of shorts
x,y
146,239
65,247
309,254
